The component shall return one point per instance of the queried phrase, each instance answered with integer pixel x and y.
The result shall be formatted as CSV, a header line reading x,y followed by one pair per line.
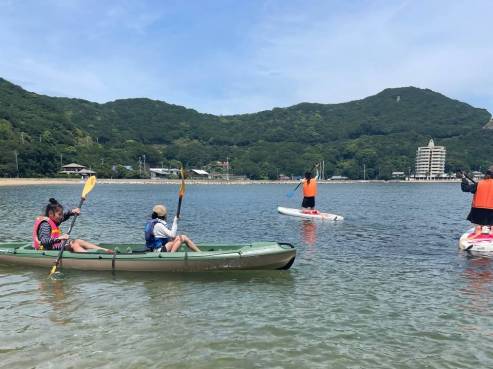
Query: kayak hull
x,y
258,255
481,244
301,214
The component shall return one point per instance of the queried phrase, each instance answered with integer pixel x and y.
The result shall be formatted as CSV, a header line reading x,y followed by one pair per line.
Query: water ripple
x,y
386,288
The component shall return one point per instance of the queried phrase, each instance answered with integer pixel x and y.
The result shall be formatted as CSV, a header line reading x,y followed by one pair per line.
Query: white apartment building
x,y
430,161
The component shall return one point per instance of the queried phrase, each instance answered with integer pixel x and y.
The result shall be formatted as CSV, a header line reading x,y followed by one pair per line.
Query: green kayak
x,y
131,257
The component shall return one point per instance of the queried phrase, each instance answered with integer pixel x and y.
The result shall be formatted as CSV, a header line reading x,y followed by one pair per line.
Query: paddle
x,y
462,174
291,193
181,192
89,185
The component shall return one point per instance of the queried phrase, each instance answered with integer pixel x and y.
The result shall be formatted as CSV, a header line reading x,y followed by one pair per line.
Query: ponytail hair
x,y
308,176
52,206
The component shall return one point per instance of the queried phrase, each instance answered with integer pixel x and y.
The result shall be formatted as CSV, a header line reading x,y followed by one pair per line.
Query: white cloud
x,y
283,54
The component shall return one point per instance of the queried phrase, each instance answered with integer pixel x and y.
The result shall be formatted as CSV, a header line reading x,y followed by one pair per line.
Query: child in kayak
x,y
159,237
481,213
48,236
309,192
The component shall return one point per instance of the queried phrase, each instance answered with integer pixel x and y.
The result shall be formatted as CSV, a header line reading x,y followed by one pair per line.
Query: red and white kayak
x,y
310,214
480,243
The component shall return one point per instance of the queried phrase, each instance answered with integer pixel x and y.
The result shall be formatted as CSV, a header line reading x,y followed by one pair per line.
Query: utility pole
x,y
61,160
144,165
16,163
364,172
140,166
227,168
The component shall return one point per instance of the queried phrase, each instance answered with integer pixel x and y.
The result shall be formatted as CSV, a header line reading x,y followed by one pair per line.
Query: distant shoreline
x,y
5,182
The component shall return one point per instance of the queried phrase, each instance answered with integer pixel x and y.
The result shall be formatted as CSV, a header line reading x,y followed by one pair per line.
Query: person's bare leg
x,y
477,231
75,247
83,246
189,243
173,245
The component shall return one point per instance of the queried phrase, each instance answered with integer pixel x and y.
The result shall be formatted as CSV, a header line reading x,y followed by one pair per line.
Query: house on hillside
x,y
164,173
72,168
77,169
338,178
86,173
199,174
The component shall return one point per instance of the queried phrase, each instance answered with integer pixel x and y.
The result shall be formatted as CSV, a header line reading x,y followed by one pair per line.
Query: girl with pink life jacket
x,y
48,236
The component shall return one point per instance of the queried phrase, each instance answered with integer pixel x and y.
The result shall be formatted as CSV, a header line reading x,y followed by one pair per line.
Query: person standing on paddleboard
x,y
309,191
481,213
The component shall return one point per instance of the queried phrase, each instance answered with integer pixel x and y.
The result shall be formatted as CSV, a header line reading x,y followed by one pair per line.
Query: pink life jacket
x,y
55,232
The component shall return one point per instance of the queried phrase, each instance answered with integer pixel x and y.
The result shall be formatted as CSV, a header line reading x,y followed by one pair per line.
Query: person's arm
x,y
70,213
161,231
467,186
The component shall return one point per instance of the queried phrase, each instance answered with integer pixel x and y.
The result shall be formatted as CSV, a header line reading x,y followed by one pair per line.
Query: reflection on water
x,y
309,229
385,288
53,293
479,275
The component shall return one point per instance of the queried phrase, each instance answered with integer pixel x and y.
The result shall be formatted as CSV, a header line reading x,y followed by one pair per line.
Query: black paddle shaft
x,y
180,198
59,258
466,176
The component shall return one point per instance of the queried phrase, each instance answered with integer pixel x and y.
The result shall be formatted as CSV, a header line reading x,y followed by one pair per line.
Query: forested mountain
x,y
381,131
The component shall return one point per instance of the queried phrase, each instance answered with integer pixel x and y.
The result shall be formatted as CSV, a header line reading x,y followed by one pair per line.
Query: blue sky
x,y
233,56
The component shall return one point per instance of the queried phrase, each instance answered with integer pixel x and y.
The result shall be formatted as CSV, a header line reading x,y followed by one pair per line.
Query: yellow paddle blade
x,y
90,183
53,269
182,185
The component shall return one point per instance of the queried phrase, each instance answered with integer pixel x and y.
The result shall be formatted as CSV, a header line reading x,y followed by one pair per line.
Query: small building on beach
x,y
72,168
164,173
199,174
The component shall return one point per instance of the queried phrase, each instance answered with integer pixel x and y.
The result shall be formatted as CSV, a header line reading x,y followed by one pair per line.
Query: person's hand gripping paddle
x,y
88,186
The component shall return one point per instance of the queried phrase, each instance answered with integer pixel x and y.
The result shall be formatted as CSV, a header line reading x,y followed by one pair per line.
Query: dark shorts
x,y
481,216
308,202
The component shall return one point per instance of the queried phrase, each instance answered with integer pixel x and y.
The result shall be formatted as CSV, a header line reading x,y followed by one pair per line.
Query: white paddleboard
x,y
481,243
310,214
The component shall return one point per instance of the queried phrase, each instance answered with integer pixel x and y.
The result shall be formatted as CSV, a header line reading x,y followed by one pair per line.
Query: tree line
x,y
382,132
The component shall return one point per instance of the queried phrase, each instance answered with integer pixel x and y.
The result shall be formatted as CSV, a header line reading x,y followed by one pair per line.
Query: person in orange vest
x,y
309,191
481,213
48,236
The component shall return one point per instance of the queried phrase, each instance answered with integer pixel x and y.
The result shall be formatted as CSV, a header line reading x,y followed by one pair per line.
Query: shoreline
x,y
12,182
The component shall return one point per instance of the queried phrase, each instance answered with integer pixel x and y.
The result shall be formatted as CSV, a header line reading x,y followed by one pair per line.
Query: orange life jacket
x,y
310,189
483,198
55,232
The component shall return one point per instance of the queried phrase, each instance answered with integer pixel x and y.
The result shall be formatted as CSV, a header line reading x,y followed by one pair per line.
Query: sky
x,y
233,56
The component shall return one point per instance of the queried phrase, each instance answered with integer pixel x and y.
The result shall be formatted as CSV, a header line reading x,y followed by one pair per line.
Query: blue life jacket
x,y
151,241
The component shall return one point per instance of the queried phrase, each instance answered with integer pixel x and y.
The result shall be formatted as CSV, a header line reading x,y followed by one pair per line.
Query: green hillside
x,y
381,131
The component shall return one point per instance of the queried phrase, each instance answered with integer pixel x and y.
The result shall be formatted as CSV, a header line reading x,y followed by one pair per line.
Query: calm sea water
x,y
386,288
